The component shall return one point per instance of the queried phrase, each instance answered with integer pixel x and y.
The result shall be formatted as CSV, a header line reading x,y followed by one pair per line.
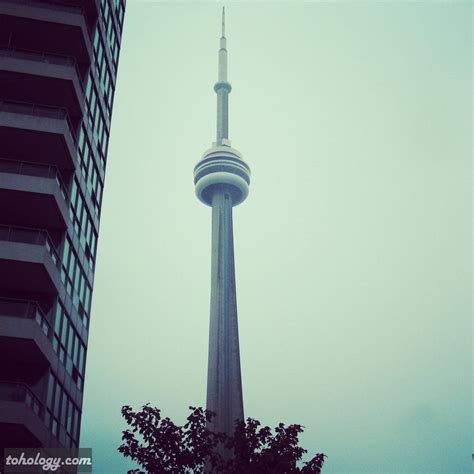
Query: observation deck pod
x,y
222,166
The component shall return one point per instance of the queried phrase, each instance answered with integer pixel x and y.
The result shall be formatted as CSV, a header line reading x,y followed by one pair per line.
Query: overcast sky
x,y
352,249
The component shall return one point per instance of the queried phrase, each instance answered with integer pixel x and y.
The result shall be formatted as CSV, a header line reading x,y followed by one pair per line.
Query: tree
x,y
159,445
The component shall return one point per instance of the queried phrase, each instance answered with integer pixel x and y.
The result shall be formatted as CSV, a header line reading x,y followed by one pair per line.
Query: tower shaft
x,y
224,383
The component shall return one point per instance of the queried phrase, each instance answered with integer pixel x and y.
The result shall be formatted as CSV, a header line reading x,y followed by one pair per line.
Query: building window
x,y
89,170
109,28
69,347
75,281
81,219
96,119
61,412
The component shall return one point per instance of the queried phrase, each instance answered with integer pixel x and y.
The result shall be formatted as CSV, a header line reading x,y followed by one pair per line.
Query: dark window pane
x,y
49,398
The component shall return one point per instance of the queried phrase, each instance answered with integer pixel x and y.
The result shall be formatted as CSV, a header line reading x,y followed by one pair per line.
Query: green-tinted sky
x,y
352,250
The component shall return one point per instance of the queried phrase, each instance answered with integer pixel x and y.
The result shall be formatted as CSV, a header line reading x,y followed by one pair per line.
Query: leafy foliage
x,y
159,446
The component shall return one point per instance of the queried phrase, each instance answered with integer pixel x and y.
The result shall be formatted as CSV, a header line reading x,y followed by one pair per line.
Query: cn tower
x,y
222,181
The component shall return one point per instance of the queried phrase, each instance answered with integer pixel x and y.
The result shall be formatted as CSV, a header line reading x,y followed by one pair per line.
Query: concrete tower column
x,y
224,389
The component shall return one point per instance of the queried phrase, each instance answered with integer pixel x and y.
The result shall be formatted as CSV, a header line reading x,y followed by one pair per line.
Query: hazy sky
x,y
352,250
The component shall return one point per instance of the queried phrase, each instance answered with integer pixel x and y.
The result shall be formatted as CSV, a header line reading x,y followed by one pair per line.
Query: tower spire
x,y
222,88
223,22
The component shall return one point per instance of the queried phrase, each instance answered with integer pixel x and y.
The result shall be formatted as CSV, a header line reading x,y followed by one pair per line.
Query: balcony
x,y
26,128
25,251
49,26
25,309
24,336
22,418
41,78
91,9
39,195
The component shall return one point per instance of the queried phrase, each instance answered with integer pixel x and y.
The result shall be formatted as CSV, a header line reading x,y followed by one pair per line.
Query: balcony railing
x,y
34,169
55,5
39,111
25,309
20,392
30,236
42,57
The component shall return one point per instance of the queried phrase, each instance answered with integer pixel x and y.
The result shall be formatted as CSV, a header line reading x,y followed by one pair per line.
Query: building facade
x,y
58,69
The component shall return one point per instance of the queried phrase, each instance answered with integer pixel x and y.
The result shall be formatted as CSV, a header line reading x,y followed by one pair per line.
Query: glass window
x,y
69,417
86,156
57,400
70,341
57,318
75,350
72,265
84,219
89,88
87,299
55,427
100,54
65,251
81,358
64,331
106,143
116,54
88,230
76,424
49,398
69,365
73,192
121,12
92,103
63,412
100,129
110,34
93,242
79,206
81,287
96,38
81,139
